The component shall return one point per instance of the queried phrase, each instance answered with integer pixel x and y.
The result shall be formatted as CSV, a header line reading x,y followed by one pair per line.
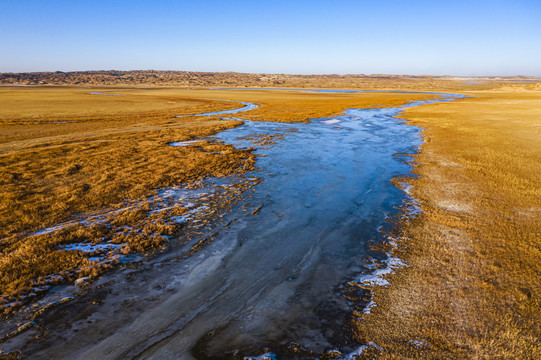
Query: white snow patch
x,y
331,121
369,306
377,277
81,281
183,143
90,248
407,188
50,229
353,355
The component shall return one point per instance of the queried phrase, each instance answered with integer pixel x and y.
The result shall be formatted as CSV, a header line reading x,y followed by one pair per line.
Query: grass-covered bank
x,y
472,287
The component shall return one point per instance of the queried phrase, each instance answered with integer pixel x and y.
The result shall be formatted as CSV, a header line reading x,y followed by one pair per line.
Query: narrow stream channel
x,y
273,281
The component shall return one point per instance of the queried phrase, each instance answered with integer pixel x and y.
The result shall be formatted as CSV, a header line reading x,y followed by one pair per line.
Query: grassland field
x,y
472,285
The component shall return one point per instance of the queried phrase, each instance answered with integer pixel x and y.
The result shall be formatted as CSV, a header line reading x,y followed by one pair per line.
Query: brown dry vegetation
x,y
50,171
296,106
109,150
472,289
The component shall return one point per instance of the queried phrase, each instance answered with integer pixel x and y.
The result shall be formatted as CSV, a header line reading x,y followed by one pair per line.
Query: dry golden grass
x,y
474,283
65,152
35,104
472,290
298,106
106,153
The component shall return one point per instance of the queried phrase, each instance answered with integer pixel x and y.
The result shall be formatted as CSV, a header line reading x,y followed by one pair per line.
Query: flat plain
x,y
471,287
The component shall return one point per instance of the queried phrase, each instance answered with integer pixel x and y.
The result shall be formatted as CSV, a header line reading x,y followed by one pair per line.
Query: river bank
x,y
471,289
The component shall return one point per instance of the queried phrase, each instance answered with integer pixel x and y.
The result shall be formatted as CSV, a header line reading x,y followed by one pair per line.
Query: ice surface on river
x,y
326,193
377,278
331,121
266,356
183,143
89,247
247,106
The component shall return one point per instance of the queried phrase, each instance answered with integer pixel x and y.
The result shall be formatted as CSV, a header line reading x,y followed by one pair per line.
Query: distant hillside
x,y
232,79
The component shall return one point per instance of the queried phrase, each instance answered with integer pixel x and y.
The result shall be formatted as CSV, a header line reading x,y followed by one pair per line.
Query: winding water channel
x,y
276,276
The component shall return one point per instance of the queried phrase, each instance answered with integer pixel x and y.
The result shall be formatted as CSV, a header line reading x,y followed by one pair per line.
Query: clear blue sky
x,y
473,37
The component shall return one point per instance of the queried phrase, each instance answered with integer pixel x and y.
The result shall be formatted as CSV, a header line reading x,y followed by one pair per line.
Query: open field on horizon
x,y
471,287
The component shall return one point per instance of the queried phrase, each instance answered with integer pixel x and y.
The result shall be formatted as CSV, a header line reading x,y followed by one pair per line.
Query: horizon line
x,y
272,73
